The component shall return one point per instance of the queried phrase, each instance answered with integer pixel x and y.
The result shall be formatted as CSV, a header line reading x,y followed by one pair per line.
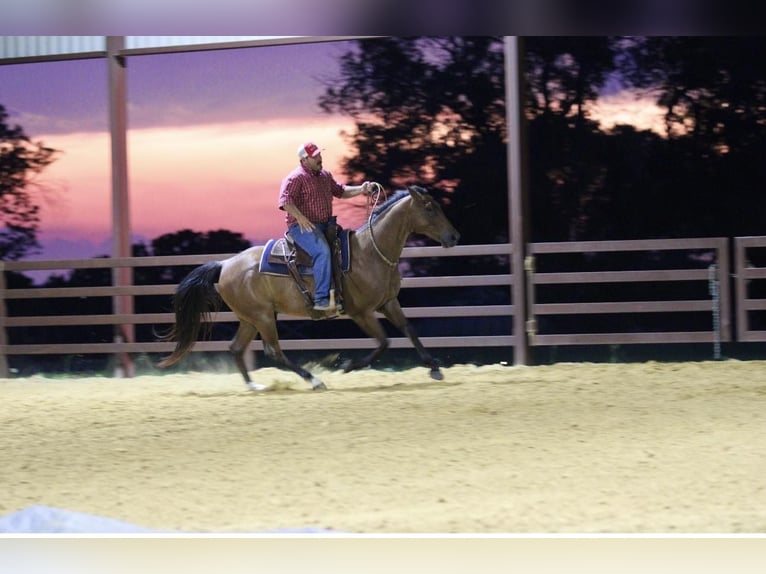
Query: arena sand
x,y
568,448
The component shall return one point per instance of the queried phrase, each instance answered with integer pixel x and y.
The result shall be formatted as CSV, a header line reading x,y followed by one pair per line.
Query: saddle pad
x,y
272,268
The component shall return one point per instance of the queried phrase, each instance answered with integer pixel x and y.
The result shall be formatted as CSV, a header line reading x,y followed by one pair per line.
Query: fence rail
x,y
121,345
706,261
747,278
717,253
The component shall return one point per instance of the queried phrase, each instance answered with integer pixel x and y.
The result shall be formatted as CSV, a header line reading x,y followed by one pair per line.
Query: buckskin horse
x,y
371,284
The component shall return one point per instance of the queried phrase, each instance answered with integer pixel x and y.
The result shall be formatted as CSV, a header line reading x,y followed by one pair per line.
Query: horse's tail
x,y
194,300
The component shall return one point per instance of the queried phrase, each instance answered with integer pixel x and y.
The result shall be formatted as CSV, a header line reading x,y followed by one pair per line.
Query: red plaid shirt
x,y
311,193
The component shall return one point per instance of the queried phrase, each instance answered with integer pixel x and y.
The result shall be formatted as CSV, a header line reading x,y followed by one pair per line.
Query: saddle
x,y
285,254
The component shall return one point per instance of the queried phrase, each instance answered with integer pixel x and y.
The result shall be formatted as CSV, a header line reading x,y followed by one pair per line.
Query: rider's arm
x,y
354,190
302,220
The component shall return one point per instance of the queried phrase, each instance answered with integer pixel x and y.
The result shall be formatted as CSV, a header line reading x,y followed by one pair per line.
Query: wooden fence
x,y
711,275
566,283
122,346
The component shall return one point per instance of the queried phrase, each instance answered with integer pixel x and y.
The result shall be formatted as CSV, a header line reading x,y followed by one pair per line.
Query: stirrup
x,y
331,304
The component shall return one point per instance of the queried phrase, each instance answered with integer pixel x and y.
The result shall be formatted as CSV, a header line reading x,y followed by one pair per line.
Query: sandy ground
x,y
569,448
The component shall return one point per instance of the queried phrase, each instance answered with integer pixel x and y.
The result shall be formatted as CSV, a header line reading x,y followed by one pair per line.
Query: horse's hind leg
x,y
272,348
244,336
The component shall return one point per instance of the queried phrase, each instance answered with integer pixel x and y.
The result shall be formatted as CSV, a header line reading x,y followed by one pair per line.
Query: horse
x,y
371,284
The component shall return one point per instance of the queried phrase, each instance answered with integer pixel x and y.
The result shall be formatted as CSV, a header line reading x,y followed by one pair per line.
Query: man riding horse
x,y
306,196
370,286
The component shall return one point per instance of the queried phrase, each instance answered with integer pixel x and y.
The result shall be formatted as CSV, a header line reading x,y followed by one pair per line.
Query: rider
x,y
306,197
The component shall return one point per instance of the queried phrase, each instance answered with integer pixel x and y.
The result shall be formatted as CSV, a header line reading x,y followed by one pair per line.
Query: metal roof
x,y
16,49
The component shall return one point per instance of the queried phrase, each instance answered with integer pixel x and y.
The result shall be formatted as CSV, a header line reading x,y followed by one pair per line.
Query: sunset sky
x,y
211,135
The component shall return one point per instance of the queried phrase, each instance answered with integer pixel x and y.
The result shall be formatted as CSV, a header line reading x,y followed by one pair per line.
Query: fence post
x,y
724,289
529,268
121,245
518,204
716,300
740,290
4,372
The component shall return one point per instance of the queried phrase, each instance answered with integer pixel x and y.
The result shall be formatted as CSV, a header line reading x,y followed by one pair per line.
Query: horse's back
x,y
242,263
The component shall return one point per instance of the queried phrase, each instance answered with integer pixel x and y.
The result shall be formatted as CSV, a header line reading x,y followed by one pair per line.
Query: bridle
x,y
373,199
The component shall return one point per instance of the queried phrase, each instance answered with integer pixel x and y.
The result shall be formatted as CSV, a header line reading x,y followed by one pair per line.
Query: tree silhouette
x,y
20,160
186,242
432,111
183,242
428,111
564,74
713,90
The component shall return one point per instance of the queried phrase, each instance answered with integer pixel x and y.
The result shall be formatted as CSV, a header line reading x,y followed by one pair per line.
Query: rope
x,y
373,199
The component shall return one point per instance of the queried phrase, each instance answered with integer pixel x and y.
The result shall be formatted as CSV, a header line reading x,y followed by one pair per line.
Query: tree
x,y
432,111
21,160
427,111
713,90
186,242
564,74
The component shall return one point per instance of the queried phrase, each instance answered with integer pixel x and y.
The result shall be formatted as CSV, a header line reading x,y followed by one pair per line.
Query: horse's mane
x,y
392,200
388,204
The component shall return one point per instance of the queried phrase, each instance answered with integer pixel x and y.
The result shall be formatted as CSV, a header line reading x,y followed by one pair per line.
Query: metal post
x,y
517,204
121,245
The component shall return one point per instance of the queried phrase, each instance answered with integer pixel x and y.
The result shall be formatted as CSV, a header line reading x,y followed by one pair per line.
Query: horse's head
x,y
428,218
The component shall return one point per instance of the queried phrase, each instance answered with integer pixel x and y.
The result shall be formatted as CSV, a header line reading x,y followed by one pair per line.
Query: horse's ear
x,y
416,191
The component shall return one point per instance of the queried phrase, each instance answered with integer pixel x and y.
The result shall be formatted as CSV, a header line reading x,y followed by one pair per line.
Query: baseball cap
x,y
309,149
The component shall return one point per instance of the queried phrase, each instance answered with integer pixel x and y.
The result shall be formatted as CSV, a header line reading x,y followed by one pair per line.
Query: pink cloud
x,y
204,177
624,108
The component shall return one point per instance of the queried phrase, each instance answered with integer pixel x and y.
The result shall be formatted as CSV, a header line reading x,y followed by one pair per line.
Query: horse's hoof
x,y
256,386
347,366
317,385
436,375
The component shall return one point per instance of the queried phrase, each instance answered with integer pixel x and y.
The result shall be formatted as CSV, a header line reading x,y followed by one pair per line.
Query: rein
x,y
376,195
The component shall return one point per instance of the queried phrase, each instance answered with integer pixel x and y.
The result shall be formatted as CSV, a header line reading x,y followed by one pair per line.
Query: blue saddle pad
x,y
281,269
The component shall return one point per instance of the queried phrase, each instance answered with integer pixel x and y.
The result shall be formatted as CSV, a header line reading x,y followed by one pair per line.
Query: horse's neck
x,y
391,232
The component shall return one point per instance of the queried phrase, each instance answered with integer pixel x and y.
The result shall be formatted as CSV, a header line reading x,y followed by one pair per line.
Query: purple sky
x,y
171,89
227,109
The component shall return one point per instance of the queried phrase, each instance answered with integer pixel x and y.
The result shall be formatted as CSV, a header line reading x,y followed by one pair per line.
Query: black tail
x,y
195,299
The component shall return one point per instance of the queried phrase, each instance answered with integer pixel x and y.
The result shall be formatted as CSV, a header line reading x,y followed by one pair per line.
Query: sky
x,y
210,137
211,134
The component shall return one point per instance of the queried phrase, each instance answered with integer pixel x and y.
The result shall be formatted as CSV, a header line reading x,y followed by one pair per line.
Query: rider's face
x,y
314,163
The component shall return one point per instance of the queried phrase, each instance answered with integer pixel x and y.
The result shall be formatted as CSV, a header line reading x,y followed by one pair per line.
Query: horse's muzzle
x,y
450,238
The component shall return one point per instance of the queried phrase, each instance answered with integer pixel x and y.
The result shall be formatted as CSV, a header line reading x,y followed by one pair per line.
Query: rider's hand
x,y
368,187
304,223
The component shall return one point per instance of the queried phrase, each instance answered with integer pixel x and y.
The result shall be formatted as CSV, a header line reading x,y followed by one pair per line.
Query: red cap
x,y
308,149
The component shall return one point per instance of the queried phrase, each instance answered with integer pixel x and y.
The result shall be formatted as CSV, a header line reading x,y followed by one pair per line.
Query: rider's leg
x,y
314,243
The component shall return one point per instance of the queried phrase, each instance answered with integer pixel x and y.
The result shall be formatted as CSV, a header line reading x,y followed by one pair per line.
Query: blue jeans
x,y
315,244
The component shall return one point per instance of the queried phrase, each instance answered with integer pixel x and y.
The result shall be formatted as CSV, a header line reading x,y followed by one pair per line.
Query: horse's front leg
x,y
371,326
393,312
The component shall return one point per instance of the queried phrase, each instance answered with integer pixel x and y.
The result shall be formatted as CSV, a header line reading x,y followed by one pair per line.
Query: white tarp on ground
x,y
49,520
46,520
